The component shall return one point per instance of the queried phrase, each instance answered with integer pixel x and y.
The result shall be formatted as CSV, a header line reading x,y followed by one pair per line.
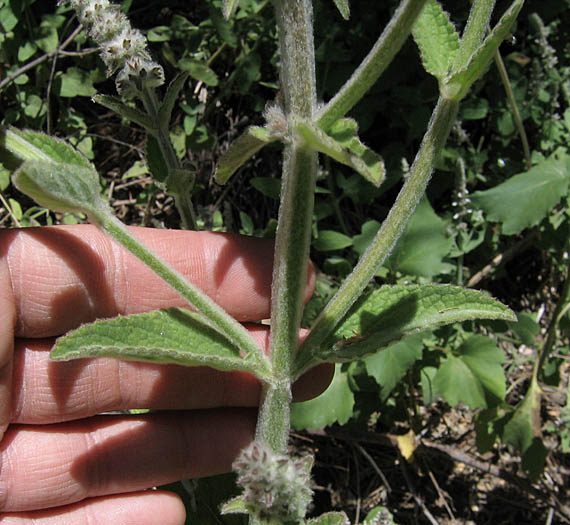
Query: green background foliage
x,y
486,199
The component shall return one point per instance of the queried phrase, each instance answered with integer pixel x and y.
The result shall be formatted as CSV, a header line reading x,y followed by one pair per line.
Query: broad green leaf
x,y
207,497
199,71
368,231
26,51
241,150
60,187
172,93
391,365
485,359
343,7
180,181
523,431
127,112
459,82
436,38
423,246
8,18
350,152
334,405
526,328
392,312
526,199
269,186
46,36
17,147
474,109
247,72
486,428
230,7
75,82
474,375
156,161
159,34
172,335
457,383
330,240
330,518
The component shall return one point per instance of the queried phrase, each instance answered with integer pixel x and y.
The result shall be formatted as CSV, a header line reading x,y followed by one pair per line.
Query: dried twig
x,y
417,499
375,466
37,61
502,258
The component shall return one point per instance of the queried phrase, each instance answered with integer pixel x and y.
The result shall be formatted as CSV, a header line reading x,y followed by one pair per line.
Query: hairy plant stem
x,y
181,199
374,64
213,314
294,19
393,226
474,31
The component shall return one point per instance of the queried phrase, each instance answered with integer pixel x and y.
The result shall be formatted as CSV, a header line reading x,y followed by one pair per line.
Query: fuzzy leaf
x,y
241,150
334,405
379,516
17,147
330,518
235,506
392,312
172,93
173,335
436,38
459,82
229,8
343,7
526,199
66,188
125,111
348,151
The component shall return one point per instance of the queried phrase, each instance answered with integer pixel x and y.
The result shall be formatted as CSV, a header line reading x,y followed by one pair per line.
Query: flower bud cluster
x,y
276,488
123,48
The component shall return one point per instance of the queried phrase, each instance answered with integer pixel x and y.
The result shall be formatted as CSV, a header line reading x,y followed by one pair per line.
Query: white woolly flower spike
x,y
123,48
276,487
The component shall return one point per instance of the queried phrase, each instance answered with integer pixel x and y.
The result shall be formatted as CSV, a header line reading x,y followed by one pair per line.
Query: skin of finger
x,y
50,392
63,276
70,462
139,508
7,320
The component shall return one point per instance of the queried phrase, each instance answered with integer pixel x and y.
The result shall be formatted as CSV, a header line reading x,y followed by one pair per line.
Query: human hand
x,y
62,463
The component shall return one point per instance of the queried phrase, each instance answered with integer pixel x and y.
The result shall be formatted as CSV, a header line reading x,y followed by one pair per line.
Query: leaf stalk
x,y
160,132
374,64
393,226
213,314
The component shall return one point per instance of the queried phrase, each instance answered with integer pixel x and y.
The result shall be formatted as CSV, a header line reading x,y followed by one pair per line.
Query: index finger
x,y
67,275
52,279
